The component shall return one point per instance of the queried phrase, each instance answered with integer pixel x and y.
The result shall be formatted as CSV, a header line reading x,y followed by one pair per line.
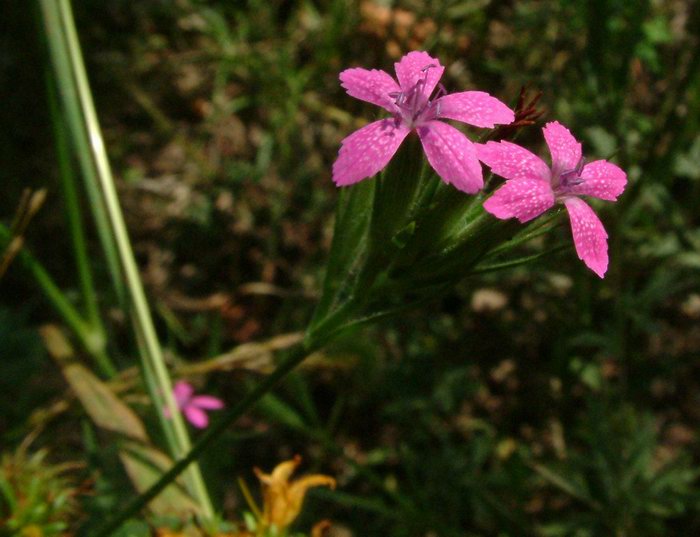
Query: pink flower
x,y
532,187
453,156
193,406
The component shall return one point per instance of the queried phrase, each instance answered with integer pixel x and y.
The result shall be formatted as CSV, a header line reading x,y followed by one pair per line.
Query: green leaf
x,y
570,486
103,407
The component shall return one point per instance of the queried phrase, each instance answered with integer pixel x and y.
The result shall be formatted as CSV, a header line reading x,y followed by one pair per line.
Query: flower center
x,y
570,178
414,107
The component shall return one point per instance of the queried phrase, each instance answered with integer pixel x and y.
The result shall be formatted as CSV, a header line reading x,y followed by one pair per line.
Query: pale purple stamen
x,y
434,102
572,178
410,103
439,92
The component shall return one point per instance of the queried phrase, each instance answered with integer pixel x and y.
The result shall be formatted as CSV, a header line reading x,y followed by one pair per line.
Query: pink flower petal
x,y
373,86
452,155
512,161
475,108
196,417
602,179
412,68
523,199
207,401
182,391
366,151
565,150
590,237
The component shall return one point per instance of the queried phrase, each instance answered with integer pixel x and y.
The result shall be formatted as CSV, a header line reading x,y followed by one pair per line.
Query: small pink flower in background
x,y
451,154
193,406
532,187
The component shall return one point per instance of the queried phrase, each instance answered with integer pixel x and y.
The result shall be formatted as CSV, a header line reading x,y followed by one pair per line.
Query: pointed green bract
x,y
401,239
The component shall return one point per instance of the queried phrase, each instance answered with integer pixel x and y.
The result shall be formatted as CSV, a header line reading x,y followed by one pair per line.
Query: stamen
x,y
417,90
415,106
440,92
413,103
573,177
398,97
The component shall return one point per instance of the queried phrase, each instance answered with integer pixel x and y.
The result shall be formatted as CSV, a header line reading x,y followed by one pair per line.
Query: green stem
x,y
92,341
68,60
333,323
245,404
153,387
75,121
73,212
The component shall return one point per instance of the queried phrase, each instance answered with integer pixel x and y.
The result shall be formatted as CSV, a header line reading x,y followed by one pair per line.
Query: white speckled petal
x,y
367,150
511,161
590,237
476,108
601,179
565,150
373,86
523,199
452,155
410,69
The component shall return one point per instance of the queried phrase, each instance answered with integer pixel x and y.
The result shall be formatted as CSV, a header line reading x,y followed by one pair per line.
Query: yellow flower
x,y
283,499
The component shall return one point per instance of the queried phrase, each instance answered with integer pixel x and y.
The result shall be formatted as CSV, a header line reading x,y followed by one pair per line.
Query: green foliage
x,y
18,340
624,481
36,497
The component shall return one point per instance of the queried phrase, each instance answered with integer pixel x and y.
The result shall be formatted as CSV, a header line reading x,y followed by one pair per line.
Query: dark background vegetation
x,y
540,401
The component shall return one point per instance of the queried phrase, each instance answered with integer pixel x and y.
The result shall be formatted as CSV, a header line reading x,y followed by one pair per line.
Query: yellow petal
x,y
284,470
281,474
300,486
282,499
